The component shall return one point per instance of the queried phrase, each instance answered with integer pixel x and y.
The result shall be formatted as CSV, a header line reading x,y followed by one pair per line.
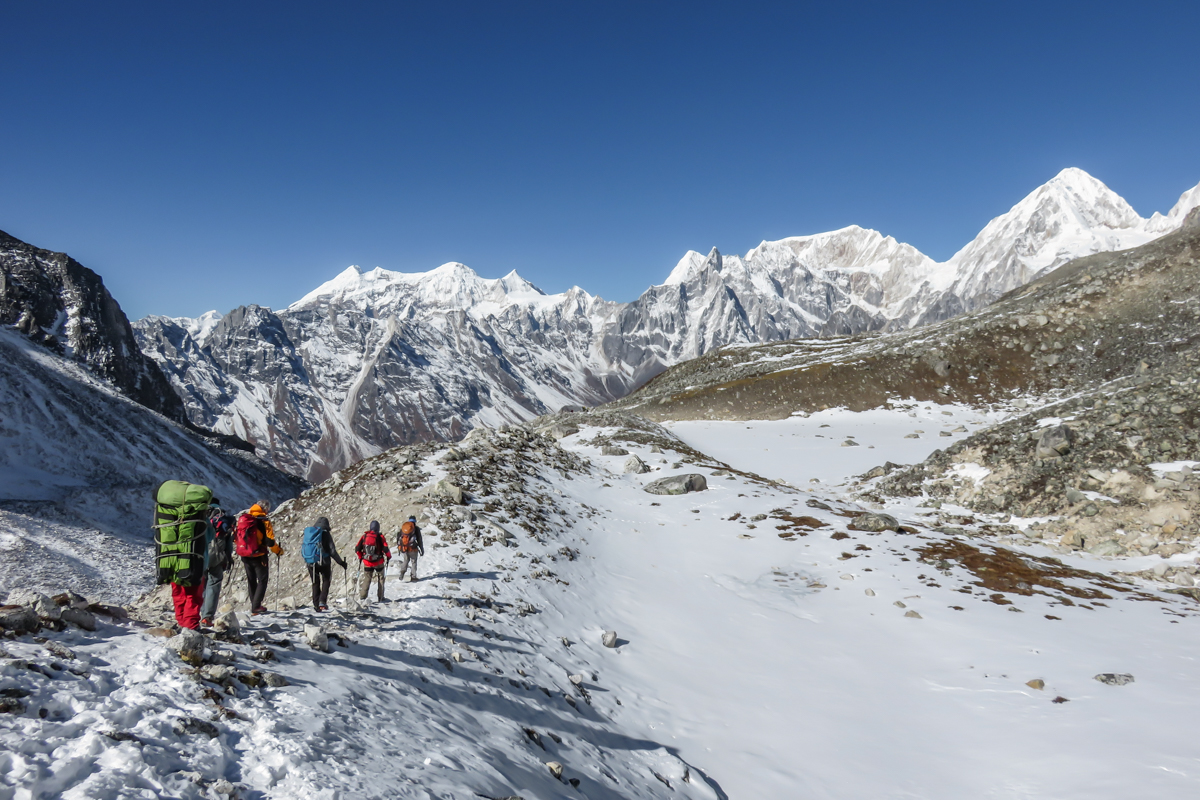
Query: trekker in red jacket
x,y
372,550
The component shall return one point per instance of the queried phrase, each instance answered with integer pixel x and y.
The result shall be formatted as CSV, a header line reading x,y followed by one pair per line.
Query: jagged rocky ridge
x,y
57,301
376,359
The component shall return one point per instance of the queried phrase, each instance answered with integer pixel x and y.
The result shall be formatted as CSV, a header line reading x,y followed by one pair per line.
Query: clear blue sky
x,y
265,146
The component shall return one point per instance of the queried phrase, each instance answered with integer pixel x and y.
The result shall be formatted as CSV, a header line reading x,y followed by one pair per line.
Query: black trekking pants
x,y
257,570
321,576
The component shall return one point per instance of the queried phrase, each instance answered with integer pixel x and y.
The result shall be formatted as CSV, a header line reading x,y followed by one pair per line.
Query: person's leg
x,y
314,579
177,598
261,573
212,594
251,580
364,584
414,555
325,572
186,600
379,577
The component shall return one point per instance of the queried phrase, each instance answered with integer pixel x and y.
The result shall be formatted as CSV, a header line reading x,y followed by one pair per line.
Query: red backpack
x,y
248,540
408,537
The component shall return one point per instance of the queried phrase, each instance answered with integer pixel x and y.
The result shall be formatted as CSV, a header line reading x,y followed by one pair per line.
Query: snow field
x,y
754,665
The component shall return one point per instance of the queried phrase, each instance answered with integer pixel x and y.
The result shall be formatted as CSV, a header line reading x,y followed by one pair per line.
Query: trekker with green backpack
x,y
181,536
318,551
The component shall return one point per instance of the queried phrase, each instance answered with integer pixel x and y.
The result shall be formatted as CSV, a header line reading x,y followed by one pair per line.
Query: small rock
x,y
847,577
1054,443
227,623
275,679
165,633
1036,683
1109,548
609,639
899,604
850,443
222,786
575,679
218,673
317,638
457,656
870,592
913,614
1115,678
186,725
611,450
556,769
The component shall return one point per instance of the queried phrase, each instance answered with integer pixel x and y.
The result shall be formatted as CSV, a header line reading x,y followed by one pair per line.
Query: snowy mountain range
x,y
374,359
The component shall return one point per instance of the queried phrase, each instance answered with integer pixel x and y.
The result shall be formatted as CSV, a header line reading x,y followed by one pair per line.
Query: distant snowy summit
x,y
373,358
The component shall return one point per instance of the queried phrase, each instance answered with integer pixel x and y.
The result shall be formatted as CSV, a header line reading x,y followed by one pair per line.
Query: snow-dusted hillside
x,y
79,463
373,359
765,648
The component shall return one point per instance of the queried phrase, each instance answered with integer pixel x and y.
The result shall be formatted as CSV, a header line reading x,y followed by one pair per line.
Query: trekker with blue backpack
x,y
319,552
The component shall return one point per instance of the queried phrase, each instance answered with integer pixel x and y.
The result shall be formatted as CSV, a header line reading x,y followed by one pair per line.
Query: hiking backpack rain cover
x,y
180,524
408,537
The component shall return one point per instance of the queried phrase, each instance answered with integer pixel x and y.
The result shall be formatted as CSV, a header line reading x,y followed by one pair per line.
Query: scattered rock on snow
x,y
1115,678
612,450
556,769
609,639
1054,442
1036,683
912,614
636,466
316,637
678,484
874,522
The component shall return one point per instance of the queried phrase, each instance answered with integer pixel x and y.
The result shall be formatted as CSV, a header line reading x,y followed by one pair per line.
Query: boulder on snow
x,y
873,522
678,484
69,598
19,619
609,639
79,617
451,492
613,450
218,673
562,430
636,466
556,769
47,609
190,645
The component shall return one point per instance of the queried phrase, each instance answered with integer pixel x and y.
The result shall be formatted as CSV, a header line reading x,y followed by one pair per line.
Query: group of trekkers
x,y
196,540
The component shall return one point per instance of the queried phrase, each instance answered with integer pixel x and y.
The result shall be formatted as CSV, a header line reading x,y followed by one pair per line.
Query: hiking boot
x,y
260,610
206,623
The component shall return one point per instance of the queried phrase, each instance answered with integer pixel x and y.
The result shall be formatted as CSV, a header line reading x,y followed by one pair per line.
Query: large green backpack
x,y
180,524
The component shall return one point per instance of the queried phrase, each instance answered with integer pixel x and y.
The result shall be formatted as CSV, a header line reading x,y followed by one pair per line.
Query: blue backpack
x,y
311,549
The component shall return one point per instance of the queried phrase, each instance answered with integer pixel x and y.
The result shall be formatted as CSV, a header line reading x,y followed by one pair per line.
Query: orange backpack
x,y
408,537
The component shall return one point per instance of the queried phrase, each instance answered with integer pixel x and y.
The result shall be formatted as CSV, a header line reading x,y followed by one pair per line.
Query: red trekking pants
x,y
187,601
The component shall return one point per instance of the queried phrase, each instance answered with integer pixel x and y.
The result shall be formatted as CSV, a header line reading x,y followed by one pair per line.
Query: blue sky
x,y
256,149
